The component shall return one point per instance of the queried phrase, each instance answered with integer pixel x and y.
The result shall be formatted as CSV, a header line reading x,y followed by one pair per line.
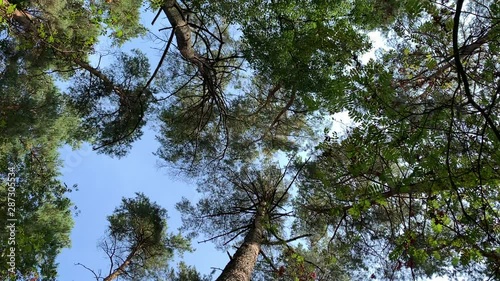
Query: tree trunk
x,y
241,266
177,18
182,33
121,268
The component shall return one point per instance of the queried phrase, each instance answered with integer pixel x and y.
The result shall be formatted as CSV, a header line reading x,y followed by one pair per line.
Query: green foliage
x,y
232,200
122,18
184,273
43,226
292,48
114,110
35,122
414,179
138,238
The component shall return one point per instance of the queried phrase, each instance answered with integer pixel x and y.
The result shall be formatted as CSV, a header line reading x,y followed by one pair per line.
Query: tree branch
x,y
97,277
462,74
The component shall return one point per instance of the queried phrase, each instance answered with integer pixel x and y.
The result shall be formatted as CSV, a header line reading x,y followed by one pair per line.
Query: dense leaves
x,y
34,122
36,119
410,190
418,178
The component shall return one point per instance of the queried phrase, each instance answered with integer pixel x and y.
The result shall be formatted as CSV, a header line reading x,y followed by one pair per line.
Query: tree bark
x,y
241,266
122,267
182,33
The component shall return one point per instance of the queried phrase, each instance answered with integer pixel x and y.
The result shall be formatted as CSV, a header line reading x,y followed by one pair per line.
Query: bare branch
x,y
97,277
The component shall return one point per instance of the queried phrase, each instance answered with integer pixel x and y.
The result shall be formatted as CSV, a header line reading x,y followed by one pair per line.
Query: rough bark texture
x,y
181,28
183,34
241,266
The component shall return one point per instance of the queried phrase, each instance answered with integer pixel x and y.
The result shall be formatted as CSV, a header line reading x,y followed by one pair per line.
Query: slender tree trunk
x,y
241,266
121,268
97,73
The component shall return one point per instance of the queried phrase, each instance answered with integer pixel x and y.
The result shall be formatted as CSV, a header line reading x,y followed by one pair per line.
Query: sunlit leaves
x,y
420,137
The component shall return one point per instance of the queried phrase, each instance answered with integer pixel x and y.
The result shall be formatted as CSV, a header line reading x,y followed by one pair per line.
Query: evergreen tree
x,y
137,243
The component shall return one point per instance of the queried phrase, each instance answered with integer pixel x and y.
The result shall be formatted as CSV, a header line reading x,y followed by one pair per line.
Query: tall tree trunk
x,y
182,32
178,19
241,266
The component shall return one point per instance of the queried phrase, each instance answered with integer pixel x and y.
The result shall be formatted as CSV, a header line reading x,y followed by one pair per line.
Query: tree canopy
x,y
409,191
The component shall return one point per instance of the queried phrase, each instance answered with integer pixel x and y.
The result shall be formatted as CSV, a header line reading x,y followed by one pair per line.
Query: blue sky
x,y
102,182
